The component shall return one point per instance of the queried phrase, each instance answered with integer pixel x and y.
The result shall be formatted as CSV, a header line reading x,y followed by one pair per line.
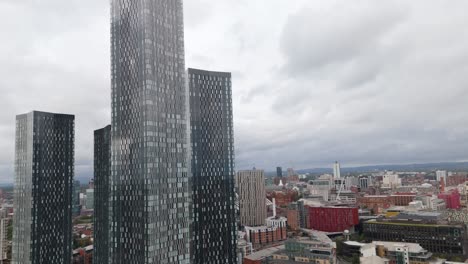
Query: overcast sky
x,y
363,81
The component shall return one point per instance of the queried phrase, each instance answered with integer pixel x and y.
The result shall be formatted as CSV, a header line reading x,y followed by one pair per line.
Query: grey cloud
x,y
365,82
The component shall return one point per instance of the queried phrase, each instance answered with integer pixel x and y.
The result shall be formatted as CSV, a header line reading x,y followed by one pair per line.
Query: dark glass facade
x,y
102,171
444,239
150,198
76,210
213,229
44,171
279,172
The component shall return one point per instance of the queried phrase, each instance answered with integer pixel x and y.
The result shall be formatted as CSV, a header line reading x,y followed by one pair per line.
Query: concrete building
x,y
391,180
317,248
394,252
44,171
250,187
365,182
441,175
425,229
261,256
244,248
150,179
320,188
291,172
102,174
214,227
337,170
89,199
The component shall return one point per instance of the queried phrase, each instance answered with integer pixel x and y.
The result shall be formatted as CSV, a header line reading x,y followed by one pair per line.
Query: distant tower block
x,y
279,172
337,170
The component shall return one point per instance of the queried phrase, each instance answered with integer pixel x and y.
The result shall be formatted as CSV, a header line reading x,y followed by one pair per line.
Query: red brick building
x,y
293,219
402,199
283,198
333,219
456,179
376,203
263,236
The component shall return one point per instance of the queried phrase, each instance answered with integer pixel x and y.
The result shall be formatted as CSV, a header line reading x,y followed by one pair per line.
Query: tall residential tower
x,y
102,173
250,186
149,172
214,228
44,168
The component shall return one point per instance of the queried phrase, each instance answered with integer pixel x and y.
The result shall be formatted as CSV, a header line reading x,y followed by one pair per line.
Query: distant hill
x,y
450,166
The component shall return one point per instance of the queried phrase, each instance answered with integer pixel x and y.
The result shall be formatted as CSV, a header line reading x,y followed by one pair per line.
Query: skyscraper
x,y
4,221
337,170
250,186
279,172
214,229
44,168
76,198
102,173
149,174
89,199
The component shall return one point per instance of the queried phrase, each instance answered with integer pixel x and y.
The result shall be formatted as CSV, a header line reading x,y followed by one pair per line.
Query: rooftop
x,y
262,254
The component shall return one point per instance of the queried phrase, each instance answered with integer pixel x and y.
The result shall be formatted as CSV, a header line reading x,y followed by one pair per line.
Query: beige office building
x,y
250,186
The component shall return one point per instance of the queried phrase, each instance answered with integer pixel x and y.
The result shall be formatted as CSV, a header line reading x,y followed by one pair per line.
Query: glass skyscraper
x,y
44,171
76,210
102,172
214,228
150,194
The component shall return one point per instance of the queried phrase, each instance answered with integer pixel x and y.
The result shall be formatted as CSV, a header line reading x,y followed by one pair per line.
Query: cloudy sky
x,y
363,81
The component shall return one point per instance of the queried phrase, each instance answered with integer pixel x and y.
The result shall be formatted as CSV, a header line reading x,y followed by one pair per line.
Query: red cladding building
x,y
333,219
452,199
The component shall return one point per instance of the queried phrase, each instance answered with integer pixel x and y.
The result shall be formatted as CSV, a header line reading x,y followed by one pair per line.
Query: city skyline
x,y
356,90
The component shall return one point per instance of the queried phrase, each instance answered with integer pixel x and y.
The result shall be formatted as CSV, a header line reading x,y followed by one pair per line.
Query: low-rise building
x,y
317,248
333,219
429,231
260,257
274,231
293,217
83,255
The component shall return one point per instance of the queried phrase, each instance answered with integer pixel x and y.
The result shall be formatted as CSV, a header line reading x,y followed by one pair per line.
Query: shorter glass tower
x,y
44,170
102,168
214,231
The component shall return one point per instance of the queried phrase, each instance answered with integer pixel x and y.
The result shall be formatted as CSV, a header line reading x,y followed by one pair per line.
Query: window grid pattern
x,y
250,187
44,170
149,209
102,160
213,229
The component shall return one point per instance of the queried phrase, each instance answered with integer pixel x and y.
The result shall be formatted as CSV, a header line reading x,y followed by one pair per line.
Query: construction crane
x,y
338,198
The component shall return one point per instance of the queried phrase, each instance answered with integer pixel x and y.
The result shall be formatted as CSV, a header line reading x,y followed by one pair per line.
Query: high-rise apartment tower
x,y
102,173
250,186
44,168
150,193
214,228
